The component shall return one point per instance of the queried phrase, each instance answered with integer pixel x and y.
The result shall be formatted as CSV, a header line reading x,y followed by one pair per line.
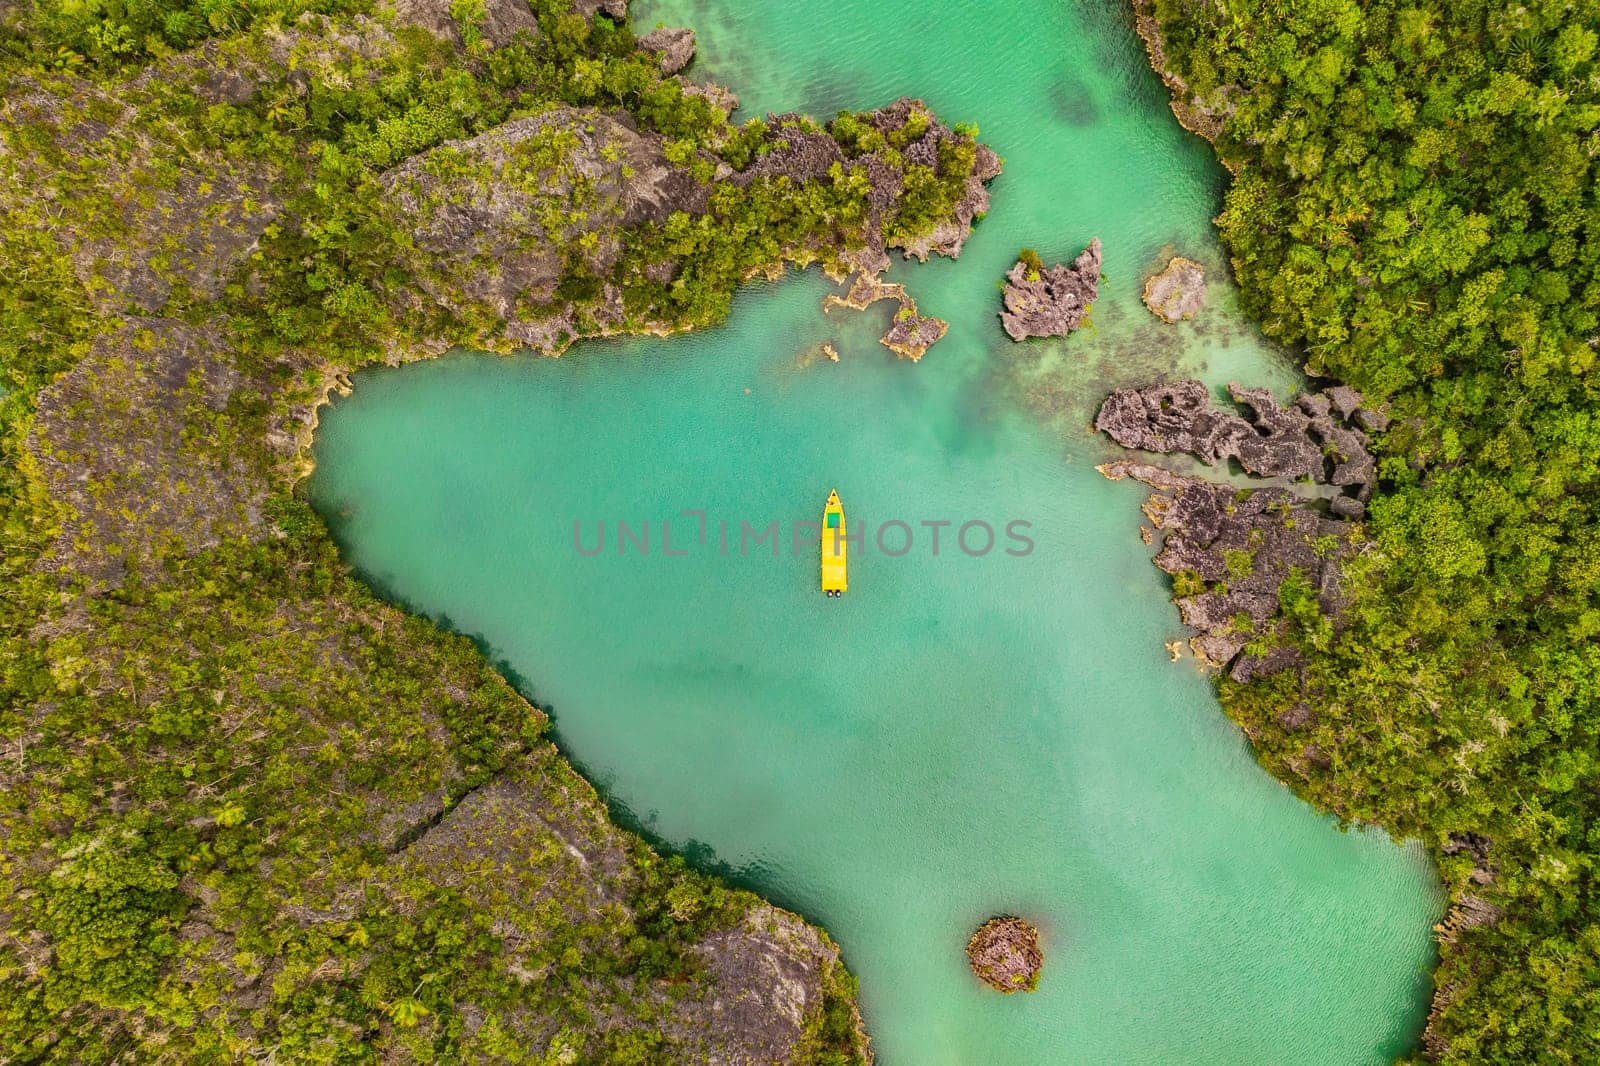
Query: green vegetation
x,y
1417,202
1035,266
249,809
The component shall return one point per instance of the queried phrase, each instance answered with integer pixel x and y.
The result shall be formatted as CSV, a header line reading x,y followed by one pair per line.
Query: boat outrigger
x,y
834,548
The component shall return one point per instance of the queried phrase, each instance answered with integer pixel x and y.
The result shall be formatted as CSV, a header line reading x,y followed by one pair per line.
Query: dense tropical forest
x,y
246,808
1416,202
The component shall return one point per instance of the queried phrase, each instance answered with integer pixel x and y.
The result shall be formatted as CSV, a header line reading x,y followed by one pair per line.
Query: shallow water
x,y
958,736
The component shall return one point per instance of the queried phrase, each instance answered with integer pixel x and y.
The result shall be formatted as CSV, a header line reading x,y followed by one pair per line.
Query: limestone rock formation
x,y
500,22
719,96
951,233
1229,551
536,840
1310,439
496,233
1052,301
1177,292
911,335
506,216
617,10
1005,955
673,47
767,979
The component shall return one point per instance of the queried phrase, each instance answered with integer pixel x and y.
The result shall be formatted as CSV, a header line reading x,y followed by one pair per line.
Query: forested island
x,y
248,809
1414,202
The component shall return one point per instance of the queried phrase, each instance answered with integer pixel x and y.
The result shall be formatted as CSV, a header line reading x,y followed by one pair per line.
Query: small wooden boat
x,y
834,548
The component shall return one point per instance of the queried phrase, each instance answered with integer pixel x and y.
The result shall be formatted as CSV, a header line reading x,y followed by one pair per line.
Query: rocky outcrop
x,y
498,221
1229,551
1050,301
616,10
769,977
796,148
910,334
674,48
1312,439
1005,955
535,842
1177,292
497,26
948,236
497,229
719,96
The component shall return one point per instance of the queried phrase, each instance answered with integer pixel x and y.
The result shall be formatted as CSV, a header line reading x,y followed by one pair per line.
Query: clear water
x,y
958,736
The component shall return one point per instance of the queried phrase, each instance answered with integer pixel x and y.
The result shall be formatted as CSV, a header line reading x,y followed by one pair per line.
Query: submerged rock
x,y
1005,955
911,334
1050,301
1177,292
673,47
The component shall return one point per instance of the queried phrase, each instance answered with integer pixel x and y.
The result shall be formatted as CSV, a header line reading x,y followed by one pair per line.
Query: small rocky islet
x,y
1178,291
1052,301
1005,954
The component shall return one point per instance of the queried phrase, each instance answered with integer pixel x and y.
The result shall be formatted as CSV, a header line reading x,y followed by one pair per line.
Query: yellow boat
x,y
834,548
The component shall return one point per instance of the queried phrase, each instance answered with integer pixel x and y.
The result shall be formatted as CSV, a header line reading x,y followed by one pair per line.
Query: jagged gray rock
x,y
501,21
718,95
887,181
616,10
1054,301
1308,439
673,47
1239,546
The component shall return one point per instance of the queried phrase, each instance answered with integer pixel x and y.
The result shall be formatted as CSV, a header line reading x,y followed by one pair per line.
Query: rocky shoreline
x,y
1203,120
1231,551
1320,437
